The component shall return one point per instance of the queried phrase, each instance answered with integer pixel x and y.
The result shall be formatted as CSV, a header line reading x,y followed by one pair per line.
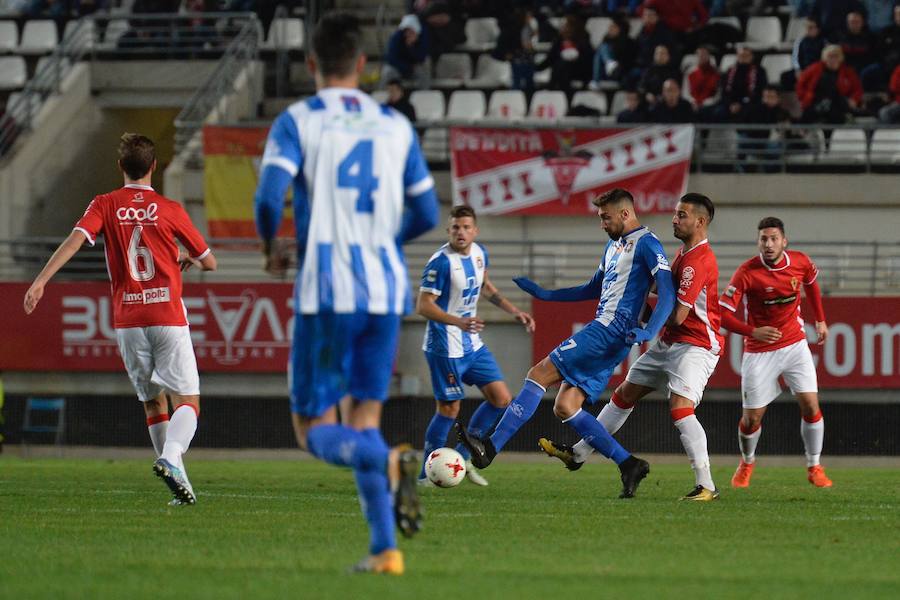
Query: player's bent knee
x,y
448,409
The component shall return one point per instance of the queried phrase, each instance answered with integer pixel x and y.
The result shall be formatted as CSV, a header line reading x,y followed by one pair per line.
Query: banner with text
x,y
553,172
232,156
862,349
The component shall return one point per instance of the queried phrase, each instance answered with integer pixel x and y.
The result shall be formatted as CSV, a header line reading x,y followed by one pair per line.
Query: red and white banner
x,y
235,327
521,171
862,350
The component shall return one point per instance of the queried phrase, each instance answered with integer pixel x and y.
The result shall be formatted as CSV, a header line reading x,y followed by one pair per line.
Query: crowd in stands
x,y
667,55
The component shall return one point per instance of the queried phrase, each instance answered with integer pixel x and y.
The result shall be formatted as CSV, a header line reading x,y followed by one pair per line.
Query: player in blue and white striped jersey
x,y
632,262
453,280
361,189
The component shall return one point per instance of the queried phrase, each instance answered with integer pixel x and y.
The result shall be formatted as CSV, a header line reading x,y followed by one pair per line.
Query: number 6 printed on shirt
x,y
136,252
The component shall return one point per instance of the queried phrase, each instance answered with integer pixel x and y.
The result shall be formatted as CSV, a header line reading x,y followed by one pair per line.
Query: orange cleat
x,y
389,562
817,476
741,477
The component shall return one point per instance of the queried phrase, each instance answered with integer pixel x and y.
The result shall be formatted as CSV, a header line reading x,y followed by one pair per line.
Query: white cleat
x,y
424,482
474,475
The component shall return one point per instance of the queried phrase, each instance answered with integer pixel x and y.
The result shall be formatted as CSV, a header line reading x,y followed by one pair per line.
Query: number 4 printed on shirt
x,y
355,172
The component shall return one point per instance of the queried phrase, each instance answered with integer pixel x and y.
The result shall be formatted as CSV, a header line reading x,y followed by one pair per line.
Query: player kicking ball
x,y
684,357
452,283
582,365
775,344
139,228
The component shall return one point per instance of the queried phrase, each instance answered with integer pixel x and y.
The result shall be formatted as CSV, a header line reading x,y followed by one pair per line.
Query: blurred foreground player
x,y
775,344
139,228
361,188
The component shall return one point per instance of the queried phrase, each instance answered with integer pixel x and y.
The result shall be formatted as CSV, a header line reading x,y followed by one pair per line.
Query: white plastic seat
x,y
731,21
491,73
886,146
452,70
597,27
618,103
481,34
39,37
728,61
285,34
81,32
796,29
548,104
9,36
634,27
115,29
467,104
18,109
380,96
848,146
13,74
507,104
763,33
542,77
429,104
775,65
594,100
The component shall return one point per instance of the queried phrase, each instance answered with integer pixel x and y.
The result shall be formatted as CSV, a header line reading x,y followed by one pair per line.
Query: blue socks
x,y
481,423
591,431
436,436
375,499
517,413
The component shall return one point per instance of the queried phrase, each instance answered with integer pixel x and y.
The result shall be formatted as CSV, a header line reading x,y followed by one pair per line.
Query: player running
x,y
682,359
361,188
452,282
139,228
775,344
583,363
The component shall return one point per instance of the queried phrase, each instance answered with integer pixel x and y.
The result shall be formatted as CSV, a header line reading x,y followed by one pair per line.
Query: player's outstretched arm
x,y
493,295
63,254
426,305
420,216
766,334
589,291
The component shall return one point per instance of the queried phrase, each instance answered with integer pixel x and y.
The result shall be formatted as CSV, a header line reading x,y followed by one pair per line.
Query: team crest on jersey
x,y
795,283
139,197
687,276
629,247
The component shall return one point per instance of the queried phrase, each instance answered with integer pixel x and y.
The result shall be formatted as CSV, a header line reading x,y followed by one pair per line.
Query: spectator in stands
x,y
891,112
681,16
516,45
655,76
703,79
407,54
829,89
889,44
616,54
672,108
860,48
635,110
571,56
653,33
758,143
807,50
399,101
742,84
443,26
832,15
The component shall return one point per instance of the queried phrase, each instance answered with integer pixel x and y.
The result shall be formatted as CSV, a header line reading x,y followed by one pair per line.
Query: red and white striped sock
x,y
812,430
181,431
157,427
747,440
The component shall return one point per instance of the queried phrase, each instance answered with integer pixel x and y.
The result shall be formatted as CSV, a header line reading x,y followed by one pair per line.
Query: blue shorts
x,y
587,359
478,368
336,354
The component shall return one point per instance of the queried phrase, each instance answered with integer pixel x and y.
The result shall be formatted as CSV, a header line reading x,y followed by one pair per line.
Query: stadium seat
x,y
886,146
618,103
45,415
507,104
634,27
548,104
796,29
594,100
730,21
13,74
81,32
39,37
9,36
596,28
380,96
18,109
541,77
429,104
727,62
775,65
848,146
491,73
467,104
452,70
481,34
763,33
115,29
44,77
285,34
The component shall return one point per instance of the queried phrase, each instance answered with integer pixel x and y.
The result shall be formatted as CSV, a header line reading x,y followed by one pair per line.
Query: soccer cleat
x,y
741,477
481,449
474,476
403,472
817,476
633,470
424,482
561,451
176,479
701,494
389,562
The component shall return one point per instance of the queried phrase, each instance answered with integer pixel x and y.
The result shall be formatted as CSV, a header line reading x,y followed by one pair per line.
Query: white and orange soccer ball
x,y
445,467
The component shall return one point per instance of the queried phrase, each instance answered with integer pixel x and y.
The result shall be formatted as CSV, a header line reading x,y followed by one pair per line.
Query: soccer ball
x,y
445,467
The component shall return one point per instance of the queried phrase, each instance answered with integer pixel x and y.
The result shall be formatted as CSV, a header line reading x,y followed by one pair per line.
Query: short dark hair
x,y
771,222
336,44
137,153
702,201
614,195
462,210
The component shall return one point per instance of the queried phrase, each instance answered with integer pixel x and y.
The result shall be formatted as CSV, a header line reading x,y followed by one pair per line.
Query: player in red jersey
x,y
683,358
775,344
139,228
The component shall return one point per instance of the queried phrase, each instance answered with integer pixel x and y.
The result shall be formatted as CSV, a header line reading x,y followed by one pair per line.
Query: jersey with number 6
x,y
354,163
139,228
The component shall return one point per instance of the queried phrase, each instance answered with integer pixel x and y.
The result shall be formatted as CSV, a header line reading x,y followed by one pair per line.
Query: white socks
x,y
812,430
693,438
612,417
157,426
182,427
747,442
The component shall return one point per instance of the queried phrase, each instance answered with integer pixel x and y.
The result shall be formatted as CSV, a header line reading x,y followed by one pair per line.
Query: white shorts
x,y
760,372
158,358
683,368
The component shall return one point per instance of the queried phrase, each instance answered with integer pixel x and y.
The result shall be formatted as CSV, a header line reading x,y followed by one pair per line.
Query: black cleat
x,y
407,508
481,449
560,451
633,470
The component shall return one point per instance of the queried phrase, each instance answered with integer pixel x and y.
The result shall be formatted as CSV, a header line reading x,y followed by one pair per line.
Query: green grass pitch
x,y
284,529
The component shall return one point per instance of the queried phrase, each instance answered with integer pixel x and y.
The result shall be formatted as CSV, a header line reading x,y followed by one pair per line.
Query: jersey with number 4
x,y
139,228
354,162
